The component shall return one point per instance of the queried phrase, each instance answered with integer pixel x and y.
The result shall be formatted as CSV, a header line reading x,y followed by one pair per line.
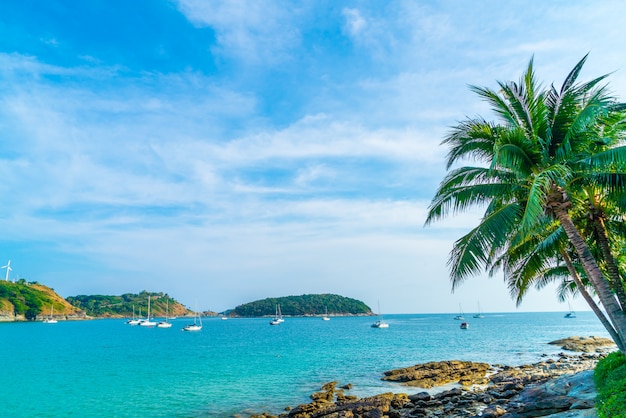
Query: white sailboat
x,y
381,322
460,316
480,312
278,318
147,322
50,319
133,321
326,317
165,323
197,323
280,315
570,314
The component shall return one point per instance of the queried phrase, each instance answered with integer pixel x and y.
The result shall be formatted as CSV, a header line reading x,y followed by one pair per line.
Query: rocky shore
x,y
10,316
557,387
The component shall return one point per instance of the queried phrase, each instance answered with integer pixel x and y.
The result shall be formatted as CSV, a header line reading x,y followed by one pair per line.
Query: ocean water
x,y
105,368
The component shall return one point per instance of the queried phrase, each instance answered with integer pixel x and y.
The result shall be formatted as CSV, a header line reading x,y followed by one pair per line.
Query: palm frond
x,y
514,152
573,75
471,139
613,157
472,252
499,104
467,187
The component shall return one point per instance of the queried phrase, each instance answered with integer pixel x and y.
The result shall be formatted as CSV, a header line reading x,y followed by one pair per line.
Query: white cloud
x,y
259,32
355,23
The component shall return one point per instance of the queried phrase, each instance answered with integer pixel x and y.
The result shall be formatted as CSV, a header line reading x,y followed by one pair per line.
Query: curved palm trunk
x,y
601,286
603,241
592,303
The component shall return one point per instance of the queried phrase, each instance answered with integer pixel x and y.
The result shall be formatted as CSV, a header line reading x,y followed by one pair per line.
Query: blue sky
x,y
224,152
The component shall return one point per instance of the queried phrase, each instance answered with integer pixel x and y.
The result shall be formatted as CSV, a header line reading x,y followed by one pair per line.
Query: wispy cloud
x,y
261,32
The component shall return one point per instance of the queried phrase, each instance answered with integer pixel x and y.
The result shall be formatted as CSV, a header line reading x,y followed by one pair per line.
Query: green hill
x,y
107,306
304,305
24,300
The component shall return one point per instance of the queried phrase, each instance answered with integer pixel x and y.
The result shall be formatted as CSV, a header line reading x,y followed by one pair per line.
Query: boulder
x,y
568,395
439,373
585,344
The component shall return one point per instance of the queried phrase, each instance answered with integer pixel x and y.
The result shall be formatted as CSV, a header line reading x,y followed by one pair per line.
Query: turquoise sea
x,y
105,368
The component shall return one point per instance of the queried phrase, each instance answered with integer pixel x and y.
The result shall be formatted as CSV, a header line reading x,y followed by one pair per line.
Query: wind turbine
x,y
8,267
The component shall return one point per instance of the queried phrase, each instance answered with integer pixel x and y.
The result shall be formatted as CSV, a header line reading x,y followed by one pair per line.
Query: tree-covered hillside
x,y
31,300
122,306
304,305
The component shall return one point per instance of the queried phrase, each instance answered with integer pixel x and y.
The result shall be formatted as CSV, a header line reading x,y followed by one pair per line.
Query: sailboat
x,y
197,325
278,318
50,319
570,314
165,323
147,322
480,313
133,321
460,316
381,322
326,317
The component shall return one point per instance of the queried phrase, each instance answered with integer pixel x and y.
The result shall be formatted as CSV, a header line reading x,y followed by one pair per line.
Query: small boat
x,y
480,312
197,323
326,317
278,318
133,321
165,323
50,319
381,322
147,322
460,316
570,314
464,325
280,315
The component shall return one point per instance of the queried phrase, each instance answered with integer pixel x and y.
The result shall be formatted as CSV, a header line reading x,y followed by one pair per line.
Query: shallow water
x,y
107,368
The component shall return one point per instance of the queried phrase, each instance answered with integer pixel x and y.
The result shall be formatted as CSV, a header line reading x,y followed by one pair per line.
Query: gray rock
x,y
570,395
493,412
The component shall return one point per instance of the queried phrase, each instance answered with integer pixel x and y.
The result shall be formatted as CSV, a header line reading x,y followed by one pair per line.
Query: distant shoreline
x,y
85,317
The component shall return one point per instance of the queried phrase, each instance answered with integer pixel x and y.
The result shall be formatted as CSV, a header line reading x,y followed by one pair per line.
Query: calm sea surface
x,y
105,368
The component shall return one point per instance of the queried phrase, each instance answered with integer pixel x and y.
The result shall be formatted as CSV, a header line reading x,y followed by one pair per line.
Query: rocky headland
x,y
557,387
25,301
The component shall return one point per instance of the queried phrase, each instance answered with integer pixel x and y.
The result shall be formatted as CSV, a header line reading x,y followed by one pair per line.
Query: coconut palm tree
x,y
547,145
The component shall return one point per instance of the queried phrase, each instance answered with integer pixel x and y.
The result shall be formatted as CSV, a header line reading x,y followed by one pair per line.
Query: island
x,y
32,301
303,305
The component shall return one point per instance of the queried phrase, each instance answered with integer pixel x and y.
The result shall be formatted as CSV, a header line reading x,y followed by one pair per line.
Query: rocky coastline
x,y
556,387
10,316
